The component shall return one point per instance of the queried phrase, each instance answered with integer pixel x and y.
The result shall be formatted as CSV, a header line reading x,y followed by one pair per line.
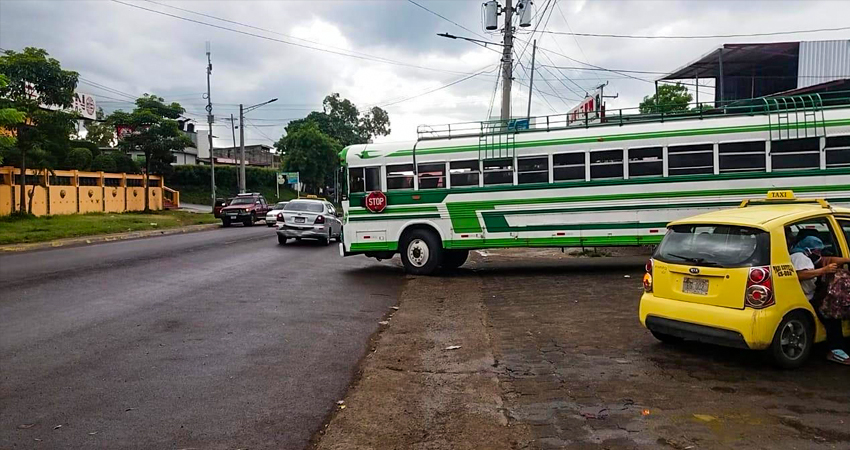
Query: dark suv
x,y
245,208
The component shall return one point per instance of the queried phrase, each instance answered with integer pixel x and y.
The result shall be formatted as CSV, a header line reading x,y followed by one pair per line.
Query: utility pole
x,y
233,132
507,62
241,150
210,120
531,81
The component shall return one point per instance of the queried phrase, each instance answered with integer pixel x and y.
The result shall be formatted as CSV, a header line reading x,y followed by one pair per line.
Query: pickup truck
x,y
245,208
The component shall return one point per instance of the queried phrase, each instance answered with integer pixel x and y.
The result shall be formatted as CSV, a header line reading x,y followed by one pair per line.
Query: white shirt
x,y
803,262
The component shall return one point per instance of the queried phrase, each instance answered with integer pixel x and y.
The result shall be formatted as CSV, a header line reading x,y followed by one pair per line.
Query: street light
x,y
242,140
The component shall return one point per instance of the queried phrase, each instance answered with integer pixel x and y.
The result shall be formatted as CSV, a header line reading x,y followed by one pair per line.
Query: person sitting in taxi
x,y
810,264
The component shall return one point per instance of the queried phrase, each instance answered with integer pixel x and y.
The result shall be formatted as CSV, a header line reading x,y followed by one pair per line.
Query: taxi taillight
x,y
647,277
759,293
319,220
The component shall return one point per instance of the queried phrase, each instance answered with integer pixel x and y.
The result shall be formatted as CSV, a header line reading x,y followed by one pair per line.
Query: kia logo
x,y
694,270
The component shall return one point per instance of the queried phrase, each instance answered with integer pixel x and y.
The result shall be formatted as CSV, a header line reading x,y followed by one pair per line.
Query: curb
x,y
101,238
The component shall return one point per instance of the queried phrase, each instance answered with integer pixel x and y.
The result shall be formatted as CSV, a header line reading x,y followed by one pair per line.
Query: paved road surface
x,y
218,339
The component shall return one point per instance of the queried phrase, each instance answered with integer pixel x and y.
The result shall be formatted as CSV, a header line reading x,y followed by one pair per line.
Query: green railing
x,y
797,113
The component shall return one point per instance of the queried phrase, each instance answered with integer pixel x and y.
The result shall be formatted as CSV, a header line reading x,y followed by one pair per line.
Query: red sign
x,y
376,201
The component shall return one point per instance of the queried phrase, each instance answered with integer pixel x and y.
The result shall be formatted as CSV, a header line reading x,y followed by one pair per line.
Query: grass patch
x,y
18,230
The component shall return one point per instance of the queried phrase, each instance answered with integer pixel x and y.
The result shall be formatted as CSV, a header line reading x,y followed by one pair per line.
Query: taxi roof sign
x,y
786,196
780,195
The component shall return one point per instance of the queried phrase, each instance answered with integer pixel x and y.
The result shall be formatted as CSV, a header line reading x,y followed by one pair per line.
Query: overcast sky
x,y
394,53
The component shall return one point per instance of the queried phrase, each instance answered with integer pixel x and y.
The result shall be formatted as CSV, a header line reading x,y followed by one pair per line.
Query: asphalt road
x,y
213,340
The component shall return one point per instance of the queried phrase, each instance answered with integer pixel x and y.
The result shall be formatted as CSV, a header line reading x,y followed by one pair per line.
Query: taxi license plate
x,y
697,286
299,220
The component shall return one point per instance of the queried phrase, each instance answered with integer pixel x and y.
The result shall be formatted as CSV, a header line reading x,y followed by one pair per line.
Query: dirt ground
x,y
552,355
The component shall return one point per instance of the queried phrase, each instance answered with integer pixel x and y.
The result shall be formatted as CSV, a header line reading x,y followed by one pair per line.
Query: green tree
x,y
99,131
104,162
9,119
79,159
34,79
670,98
154,132
313,154
341,120
125,164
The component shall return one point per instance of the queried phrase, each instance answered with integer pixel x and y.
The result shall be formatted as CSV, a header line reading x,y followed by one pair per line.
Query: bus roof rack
x,y
783,197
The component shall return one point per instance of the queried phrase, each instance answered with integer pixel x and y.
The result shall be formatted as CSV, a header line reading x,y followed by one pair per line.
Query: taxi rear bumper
x,y
741,328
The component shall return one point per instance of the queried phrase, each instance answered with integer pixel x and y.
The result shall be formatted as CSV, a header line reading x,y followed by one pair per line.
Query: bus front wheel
x,y
421,252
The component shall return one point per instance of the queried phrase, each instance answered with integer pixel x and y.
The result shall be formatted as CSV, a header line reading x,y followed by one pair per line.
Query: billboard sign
x,y
590,110
287,178
83,104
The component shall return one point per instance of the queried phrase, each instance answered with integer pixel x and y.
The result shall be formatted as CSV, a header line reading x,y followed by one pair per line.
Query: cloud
x,y
136,51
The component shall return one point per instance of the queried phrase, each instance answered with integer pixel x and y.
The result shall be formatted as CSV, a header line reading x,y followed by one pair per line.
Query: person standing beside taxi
x,y
806,256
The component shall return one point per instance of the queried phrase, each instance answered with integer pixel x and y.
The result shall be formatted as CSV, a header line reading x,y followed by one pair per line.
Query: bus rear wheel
x,y
452,259
421,252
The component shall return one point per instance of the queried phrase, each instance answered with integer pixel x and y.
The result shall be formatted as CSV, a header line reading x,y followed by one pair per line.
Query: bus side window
x,y
400,176
533,170
646,162
742,157
373,179
837,151
568,166
464,173
690,159
606,164
498,171
788,154
432,175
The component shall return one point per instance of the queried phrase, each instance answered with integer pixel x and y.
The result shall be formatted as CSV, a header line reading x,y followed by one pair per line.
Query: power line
x,y
439,88
567,23
281,41
447,19
706,36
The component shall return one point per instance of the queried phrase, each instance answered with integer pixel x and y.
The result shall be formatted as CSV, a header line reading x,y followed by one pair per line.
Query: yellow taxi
x,y
726,278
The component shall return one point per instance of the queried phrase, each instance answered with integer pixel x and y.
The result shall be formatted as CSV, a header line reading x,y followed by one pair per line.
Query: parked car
x,y
311,219
220,203
272,216
245,208
726,277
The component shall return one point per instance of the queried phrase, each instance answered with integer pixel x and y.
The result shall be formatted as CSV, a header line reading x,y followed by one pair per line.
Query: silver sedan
x,y
310,219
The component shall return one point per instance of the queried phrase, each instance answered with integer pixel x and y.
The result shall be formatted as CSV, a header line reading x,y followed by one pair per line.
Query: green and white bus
x,y
556,182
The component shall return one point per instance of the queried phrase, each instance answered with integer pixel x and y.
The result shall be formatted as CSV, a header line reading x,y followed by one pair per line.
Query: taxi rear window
x,y
715,246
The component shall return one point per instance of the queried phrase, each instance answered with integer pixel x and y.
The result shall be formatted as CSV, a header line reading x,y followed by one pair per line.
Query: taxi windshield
x,y
715,246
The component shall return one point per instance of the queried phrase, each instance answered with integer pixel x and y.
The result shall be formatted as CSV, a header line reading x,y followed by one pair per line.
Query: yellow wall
x,y
63,199
136,199
78,198
39,202
114,199
91,199
5,200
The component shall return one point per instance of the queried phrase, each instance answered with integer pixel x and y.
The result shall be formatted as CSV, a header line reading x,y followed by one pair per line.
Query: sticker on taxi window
x,y
784,270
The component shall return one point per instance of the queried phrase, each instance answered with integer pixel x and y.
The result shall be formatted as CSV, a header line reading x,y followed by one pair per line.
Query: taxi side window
x,y
819,228
845,227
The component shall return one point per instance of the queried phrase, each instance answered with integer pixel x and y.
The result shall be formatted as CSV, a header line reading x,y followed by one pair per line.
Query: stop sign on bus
x,y
376,201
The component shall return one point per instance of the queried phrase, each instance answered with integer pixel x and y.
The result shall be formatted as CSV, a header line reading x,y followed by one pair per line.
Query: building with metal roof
x,y
744,71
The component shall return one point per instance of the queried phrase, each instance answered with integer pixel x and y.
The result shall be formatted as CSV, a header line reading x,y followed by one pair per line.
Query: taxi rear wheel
x,y
793,340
